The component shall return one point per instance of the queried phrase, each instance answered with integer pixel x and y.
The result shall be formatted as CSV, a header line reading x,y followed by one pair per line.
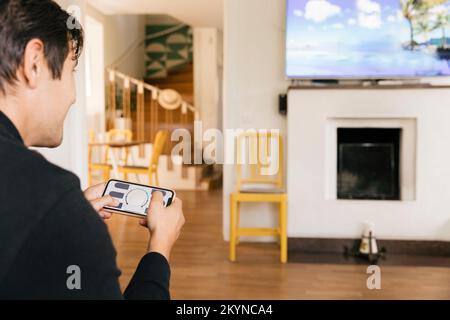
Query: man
x,y
49,229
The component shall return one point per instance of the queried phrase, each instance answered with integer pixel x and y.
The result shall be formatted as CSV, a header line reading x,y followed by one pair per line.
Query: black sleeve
x,y
151,279
73,234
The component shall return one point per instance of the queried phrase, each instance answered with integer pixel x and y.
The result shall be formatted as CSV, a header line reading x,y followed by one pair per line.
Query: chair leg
x,y
238,219
156,177
89,177
280,224
106,175
283,231
152,173
150,178
233,210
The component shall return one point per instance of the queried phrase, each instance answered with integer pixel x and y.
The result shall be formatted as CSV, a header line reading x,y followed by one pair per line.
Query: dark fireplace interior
x,y
368,163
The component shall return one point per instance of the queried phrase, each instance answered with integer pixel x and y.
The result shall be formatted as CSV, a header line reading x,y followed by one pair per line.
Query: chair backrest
x,y
91,135
158,145
259,158
119,135
95,155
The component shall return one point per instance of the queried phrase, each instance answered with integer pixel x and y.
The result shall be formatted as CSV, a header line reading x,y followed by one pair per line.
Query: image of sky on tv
x,y
367,38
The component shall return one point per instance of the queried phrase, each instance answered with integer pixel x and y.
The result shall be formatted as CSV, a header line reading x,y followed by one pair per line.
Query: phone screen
x,y
134,198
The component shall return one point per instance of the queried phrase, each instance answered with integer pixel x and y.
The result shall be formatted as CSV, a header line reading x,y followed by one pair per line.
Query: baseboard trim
x,y
401,247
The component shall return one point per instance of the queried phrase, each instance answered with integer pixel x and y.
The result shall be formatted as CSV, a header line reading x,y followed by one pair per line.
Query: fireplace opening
x,y
368,163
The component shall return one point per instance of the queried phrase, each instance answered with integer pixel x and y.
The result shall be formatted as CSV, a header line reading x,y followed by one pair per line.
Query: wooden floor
x,y
200,269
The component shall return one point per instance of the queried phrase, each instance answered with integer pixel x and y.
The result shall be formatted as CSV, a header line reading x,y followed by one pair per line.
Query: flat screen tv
x,y
381,39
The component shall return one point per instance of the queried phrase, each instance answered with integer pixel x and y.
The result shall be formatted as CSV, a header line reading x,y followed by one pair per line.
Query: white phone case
x,y
134,198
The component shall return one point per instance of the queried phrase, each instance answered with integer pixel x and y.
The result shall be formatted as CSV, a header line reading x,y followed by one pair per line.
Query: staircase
x,y
181,80
139,104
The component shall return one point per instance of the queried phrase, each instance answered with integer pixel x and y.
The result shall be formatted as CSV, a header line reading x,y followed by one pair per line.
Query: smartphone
x,y
134,198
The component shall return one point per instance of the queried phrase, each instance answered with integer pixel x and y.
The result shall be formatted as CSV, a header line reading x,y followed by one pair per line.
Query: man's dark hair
x,y
24,20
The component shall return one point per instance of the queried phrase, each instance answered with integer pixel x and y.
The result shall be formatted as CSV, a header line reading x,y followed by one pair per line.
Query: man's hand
x,y
94,196
164,223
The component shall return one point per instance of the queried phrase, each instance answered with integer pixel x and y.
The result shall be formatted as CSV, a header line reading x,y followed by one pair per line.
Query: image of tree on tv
x,y
424,17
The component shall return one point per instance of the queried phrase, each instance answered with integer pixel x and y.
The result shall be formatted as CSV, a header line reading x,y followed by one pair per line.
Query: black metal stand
x,y
371,257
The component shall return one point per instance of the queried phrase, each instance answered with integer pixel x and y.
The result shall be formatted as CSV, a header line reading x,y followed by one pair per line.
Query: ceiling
x,y
197,13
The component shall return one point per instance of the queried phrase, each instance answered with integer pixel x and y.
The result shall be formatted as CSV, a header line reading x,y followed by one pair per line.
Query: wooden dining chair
x,y
152,169
119,135
255,185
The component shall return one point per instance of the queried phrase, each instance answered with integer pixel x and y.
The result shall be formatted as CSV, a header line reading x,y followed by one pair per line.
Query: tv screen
x,y
367,38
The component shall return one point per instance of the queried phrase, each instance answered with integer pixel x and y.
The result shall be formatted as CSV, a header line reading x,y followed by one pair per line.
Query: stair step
x,y
180,80
214,176
214,181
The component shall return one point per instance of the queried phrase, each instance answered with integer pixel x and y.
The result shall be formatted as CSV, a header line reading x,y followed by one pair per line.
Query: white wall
x,y
121,33
206,76
254,35
95,74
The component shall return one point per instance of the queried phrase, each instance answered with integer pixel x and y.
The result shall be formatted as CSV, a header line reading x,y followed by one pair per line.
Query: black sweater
x,y
47,225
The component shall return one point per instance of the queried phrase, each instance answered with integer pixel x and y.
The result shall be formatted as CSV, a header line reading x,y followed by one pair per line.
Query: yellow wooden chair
x,y
152,169
119,135
92,167
253,186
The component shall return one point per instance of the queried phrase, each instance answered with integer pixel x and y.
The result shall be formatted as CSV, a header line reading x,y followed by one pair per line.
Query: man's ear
x,y
33,62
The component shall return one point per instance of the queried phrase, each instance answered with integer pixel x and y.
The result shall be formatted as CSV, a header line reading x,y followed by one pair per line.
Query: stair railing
x,y
146,107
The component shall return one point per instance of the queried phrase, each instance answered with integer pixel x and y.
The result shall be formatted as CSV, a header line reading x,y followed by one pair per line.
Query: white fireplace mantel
x,y
423,114
407,149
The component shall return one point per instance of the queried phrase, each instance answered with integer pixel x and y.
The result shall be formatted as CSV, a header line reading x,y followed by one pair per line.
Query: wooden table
x,y
117,145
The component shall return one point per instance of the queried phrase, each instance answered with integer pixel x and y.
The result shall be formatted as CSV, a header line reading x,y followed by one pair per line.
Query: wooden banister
x,y
148,116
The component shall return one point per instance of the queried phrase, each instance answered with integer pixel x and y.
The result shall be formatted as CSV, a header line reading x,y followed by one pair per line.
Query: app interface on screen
x,y
133,198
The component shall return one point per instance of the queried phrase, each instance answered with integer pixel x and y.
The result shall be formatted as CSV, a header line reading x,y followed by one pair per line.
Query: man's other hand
x,y
164,223
94,196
